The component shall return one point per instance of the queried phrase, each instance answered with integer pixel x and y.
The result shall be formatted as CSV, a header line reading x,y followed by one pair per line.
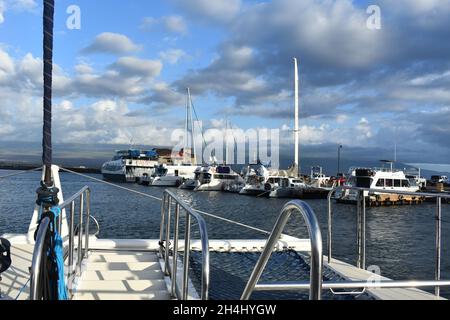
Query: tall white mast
x,y
186,129
296,125
192,127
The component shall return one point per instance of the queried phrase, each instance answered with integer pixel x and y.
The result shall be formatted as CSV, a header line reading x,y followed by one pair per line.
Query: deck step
x,y
131,266
122,275
123,257
157,295
123,286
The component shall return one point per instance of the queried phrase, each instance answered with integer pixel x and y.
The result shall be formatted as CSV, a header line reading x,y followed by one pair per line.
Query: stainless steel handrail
x,y
361,223
315,285
36,286
170,199
36,263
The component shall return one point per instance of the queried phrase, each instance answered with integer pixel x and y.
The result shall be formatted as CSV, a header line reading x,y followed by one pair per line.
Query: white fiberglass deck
x,y
131,270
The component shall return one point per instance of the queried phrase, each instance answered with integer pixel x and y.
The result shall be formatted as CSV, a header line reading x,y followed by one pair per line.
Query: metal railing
x,y
362,194
168,201
82,253
315,284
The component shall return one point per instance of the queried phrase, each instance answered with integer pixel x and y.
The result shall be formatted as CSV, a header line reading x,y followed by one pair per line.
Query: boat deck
x,y
131,270
14,283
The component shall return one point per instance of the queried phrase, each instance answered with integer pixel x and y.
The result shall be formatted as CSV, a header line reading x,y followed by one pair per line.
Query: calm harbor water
x,y
400,240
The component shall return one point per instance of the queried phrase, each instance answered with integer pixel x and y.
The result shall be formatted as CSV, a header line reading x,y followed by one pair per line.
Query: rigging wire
x,y
19,173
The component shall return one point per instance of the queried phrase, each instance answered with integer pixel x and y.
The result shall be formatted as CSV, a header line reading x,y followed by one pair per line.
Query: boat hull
x,y
115,177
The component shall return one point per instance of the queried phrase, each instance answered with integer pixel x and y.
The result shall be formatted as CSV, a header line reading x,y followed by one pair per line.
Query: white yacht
x,y
377,179
129,165
217,178
166,176
255,177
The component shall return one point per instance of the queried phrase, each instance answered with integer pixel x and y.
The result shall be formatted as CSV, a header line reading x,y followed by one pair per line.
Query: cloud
x,y
2,11
172,56
216,11
24,5
132,67
112,43
173,24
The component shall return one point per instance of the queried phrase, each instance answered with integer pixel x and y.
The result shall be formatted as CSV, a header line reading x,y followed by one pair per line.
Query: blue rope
x,y
59,256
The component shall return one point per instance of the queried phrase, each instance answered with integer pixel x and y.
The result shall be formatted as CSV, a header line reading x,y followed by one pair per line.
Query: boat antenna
x,y
296,121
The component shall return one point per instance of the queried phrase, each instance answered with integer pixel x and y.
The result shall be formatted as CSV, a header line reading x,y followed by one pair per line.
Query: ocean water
x,y
400,240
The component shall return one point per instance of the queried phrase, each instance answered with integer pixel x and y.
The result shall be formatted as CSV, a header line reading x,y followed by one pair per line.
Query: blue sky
x,y
122,76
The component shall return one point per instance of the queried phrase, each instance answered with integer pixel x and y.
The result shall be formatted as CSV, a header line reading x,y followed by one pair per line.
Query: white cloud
x,y
112,43
24,5
216,11
173,24
172,55
2,11
131,66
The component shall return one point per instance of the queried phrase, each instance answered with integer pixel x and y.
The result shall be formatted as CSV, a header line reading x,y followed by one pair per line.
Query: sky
x,y
122,76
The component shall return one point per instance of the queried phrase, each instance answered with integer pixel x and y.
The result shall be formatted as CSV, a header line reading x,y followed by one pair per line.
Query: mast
x,y
49,9
192,126
296,121
186,128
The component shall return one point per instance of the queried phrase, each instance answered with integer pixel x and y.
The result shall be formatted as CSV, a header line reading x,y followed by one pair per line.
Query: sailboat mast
x,y
296,121
49,9
192,126
186,128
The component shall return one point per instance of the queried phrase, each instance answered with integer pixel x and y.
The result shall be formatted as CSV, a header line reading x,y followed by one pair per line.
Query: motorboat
x,y
130,165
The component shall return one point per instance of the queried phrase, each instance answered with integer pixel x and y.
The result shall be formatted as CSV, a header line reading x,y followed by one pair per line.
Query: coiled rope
x,y
159,199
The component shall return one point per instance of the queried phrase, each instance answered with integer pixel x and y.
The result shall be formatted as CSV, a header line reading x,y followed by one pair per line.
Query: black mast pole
x,y
49,8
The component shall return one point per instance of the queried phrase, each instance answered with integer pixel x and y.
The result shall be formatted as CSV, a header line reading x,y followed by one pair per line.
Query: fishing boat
x,y
130,165
318,179
164,176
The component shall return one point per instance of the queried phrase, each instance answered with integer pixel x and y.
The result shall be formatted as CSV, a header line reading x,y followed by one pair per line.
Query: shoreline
x,y
25,166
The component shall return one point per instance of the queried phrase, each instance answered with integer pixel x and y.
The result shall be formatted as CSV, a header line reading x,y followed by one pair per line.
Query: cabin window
x,y
397,183
388,183
380,183
405,183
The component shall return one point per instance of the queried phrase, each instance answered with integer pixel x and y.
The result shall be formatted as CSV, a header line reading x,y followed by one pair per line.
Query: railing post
x,y
315,236
166,257
358,229
175,250
330,228
363,232
187,249
438,244
161,228
88,218
71,238
80,234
